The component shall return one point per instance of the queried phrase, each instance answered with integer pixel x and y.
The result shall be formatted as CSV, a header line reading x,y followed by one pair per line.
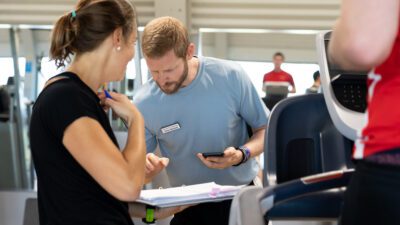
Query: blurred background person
x,y
316,85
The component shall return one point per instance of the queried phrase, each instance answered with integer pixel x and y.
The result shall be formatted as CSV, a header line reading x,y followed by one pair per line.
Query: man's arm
x,y
293,90
233,156
256,142
264,88
364,34
254,112
293,87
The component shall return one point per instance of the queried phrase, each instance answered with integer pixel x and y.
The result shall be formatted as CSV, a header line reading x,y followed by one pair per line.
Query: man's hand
x,y
154,165
231,157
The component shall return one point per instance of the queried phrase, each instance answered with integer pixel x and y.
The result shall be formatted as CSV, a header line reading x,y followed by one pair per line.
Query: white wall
x,y
277,16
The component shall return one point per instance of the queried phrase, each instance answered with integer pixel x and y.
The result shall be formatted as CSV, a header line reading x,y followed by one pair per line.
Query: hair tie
x,y
73,13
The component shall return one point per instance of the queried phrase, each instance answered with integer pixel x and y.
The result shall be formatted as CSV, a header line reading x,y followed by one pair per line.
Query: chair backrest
x,y
31,214
301,140
243,210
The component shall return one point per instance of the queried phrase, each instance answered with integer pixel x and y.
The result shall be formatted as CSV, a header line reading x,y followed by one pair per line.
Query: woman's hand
x,y
102,97
123,107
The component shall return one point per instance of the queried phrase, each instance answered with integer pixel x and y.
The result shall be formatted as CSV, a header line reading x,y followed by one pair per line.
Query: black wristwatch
x,y
149,219
245,154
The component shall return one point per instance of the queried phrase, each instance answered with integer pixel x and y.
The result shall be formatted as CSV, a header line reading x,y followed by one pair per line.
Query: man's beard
x,y
173,87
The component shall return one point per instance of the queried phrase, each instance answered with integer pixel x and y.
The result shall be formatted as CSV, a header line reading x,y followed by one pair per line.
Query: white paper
x,y
191,194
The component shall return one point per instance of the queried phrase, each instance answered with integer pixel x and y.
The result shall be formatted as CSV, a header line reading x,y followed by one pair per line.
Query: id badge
x,y
170,128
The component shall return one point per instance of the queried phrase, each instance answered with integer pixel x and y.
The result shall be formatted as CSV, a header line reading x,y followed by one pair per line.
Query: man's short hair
x,y
316,75
163,34
279,54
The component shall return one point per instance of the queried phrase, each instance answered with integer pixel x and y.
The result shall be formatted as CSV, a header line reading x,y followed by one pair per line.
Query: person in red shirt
x,y
278,75
276,81
366,37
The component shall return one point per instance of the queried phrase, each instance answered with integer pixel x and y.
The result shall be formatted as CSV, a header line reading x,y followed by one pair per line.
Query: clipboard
x,y
185,195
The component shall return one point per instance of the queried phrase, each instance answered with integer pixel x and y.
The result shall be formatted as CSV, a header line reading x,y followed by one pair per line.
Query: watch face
x,y
246,152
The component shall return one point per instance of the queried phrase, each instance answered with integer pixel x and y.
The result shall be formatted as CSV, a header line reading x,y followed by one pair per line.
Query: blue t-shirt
x,y
208,115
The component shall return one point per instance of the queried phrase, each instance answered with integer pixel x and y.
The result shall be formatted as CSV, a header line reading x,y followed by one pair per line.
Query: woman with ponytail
x,y
83,177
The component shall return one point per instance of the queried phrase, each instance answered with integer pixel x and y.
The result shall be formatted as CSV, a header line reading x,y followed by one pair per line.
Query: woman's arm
x,y
120,174
364,34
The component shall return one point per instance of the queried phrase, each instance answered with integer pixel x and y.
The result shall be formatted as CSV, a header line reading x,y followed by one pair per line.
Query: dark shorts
x,y
214,213
373,195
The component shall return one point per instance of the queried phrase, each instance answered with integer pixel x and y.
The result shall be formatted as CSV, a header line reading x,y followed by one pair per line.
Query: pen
x,y
109,96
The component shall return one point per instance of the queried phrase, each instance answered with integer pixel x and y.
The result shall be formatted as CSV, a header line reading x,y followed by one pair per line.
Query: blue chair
x,y
307,153
301,141
318,196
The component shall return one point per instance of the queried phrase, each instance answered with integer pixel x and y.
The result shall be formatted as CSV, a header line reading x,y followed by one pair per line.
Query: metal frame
x,y
348,122
18,134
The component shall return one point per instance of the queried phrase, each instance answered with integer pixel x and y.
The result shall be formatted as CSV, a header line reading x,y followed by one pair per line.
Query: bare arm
x,y
364,34
121,174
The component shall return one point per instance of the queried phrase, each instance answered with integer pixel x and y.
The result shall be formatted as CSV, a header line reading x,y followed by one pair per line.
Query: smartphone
x,y
212,154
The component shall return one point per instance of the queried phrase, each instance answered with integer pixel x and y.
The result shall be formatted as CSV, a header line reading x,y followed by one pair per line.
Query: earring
x,y
119,48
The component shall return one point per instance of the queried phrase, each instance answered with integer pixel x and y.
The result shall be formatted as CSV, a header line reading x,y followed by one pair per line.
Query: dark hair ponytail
x,y
85,28
62,37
